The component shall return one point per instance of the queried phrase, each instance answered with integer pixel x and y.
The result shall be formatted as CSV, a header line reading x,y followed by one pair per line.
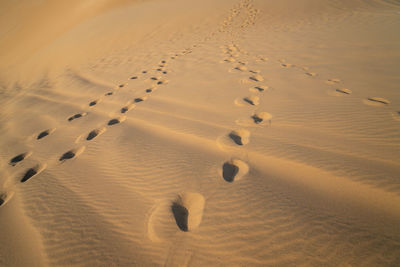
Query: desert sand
x,y
200,133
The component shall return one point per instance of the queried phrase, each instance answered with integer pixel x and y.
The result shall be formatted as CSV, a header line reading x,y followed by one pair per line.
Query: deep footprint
x,y
77,116
240,137
260,117
127,108
96,132
140,99
188,211
116,120
19,158
45,133
234,170
252,100
32,172
94,102
72,153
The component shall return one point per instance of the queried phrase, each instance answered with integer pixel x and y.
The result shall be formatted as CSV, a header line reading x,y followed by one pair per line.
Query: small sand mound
x,y
188,211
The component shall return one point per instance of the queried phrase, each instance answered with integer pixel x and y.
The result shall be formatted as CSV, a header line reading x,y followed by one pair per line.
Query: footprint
x,y
116,120
19,158
188,211
76,116
396,115
127,108
333,81
240,68
260,88
32,172
45,133
5,197
257,78
154,78
164,72
144,72
376,101
94,102
312,74
344,91
121,85
134,77
260,117
96,132
140,99
240,137
108,94
234,169
254,71
252,100
72,153
287,65
161,82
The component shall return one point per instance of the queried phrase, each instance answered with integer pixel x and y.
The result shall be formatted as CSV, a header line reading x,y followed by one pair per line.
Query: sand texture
x,y
200,133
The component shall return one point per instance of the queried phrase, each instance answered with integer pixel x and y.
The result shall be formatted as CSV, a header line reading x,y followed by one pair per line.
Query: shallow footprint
x,y
77,116
188,211
260,88
252,100
96,132
234,169
140,99
344,91
20,158
312,74
45,133
72,153
333,81
240,137
261,116
31,172
116,120
126,108
256,78
94,102
5,197
376,101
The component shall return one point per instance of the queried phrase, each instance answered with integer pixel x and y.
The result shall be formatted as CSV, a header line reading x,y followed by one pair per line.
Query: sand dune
x,y
195,133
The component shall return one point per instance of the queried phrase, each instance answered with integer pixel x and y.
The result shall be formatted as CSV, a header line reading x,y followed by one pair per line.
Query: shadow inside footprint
x,y
113,122
44,134
256,119
229,171
19,158
92,135
181,216
76,116
32,172
2,200
67,155
93,103
236,138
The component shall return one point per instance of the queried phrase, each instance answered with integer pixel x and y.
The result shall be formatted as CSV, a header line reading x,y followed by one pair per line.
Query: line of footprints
x,y
371,101
158,80
187,208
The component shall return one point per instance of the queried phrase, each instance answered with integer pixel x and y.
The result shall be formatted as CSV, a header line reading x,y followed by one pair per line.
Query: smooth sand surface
x,y
200,133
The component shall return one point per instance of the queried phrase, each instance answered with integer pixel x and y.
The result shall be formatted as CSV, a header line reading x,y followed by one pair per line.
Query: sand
x,y
200,133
